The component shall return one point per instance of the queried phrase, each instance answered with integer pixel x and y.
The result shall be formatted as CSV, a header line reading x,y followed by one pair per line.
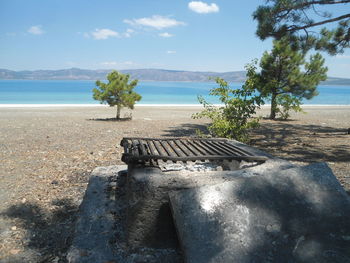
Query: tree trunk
x,y
273,106
118,112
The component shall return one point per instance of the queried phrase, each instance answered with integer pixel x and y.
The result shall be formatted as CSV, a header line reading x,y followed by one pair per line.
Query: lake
x,y
80,92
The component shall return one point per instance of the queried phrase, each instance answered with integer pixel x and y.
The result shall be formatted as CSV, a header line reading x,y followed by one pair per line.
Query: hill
x,y
140,74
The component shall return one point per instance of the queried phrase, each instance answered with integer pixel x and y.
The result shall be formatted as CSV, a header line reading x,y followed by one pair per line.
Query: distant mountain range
x,y
140,74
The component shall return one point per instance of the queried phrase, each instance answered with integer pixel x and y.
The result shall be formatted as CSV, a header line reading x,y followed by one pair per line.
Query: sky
x,y
117,34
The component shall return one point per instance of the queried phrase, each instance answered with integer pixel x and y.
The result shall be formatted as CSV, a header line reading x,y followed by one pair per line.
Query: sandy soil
x,y
46,155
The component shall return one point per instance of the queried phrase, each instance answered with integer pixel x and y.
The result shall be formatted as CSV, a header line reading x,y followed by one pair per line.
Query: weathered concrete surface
x,y
295,215
100,235
149,220
95,225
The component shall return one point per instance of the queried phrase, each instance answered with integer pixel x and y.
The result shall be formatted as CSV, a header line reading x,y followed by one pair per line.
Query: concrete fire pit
x,y
234,210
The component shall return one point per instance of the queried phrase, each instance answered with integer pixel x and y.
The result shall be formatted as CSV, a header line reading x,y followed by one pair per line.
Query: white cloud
x,y
99,34
109,63
104,34
120,65
203,8
36,30
171,52
156,21
128,32
129,63
165,34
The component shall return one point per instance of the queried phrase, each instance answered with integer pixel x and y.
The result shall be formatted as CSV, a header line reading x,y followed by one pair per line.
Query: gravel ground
x,y
47,154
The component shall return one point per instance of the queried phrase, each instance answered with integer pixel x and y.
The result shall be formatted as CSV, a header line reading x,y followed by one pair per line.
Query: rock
x,y
296,215
54,182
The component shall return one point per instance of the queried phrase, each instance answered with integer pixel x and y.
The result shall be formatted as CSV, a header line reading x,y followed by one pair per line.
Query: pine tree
x,y
286,78
306,23
117,92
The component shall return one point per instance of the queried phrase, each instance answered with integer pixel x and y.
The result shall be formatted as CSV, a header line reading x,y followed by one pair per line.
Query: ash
x,y
190,166
199,166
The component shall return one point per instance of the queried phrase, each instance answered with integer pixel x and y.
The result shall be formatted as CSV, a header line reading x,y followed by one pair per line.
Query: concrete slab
x,y
95,225
100,234
300,214
149,220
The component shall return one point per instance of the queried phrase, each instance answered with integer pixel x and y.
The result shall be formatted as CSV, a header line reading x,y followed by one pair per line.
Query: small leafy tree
x,y
235,118
117,92
286,78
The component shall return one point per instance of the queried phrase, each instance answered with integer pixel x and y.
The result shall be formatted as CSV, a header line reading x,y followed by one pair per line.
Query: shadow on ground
x,y
48,232
289,140
185,130
111,119
306,143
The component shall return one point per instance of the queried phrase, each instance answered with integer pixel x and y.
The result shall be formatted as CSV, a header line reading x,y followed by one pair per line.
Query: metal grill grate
x,y
176,149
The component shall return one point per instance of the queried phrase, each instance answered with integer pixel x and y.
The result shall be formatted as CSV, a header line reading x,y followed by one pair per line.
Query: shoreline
x,y
147,105
167,81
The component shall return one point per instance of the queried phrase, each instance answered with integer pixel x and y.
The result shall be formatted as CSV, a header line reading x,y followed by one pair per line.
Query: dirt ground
x,y
47,154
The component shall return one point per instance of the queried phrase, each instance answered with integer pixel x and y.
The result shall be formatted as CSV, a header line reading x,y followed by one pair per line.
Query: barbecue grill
x,y
149,222
150,150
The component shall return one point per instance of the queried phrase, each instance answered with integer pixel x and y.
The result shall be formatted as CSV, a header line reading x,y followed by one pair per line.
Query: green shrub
x,y
286,103
236,116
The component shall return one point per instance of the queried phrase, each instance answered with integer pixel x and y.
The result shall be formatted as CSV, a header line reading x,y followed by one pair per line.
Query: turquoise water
x,y
80,92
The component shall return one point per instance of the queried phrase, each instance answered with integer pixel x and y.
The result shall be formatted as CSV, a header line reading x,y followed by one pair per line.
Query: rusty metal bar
x,y
197,148
150,147
184,149
166,149
142,147
212,147
130,158
230,149
233,149
182,138
158,148
176,149
178,142
204,147
238,149
226,151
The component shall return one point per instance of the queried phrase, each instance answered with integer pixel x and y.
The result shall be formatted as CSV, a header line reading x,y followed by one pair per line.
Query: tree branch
x,y
325,15
296,28
320,2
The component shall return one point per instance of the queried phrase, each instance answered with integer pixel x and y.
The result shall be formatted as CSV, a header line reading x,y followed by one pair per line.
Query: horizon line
x,y
36,105
160,69
110,69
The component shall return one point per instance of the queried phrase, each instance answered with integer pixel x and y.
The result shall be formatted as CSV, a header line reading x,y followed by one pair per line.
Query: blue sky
x,y
105,34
